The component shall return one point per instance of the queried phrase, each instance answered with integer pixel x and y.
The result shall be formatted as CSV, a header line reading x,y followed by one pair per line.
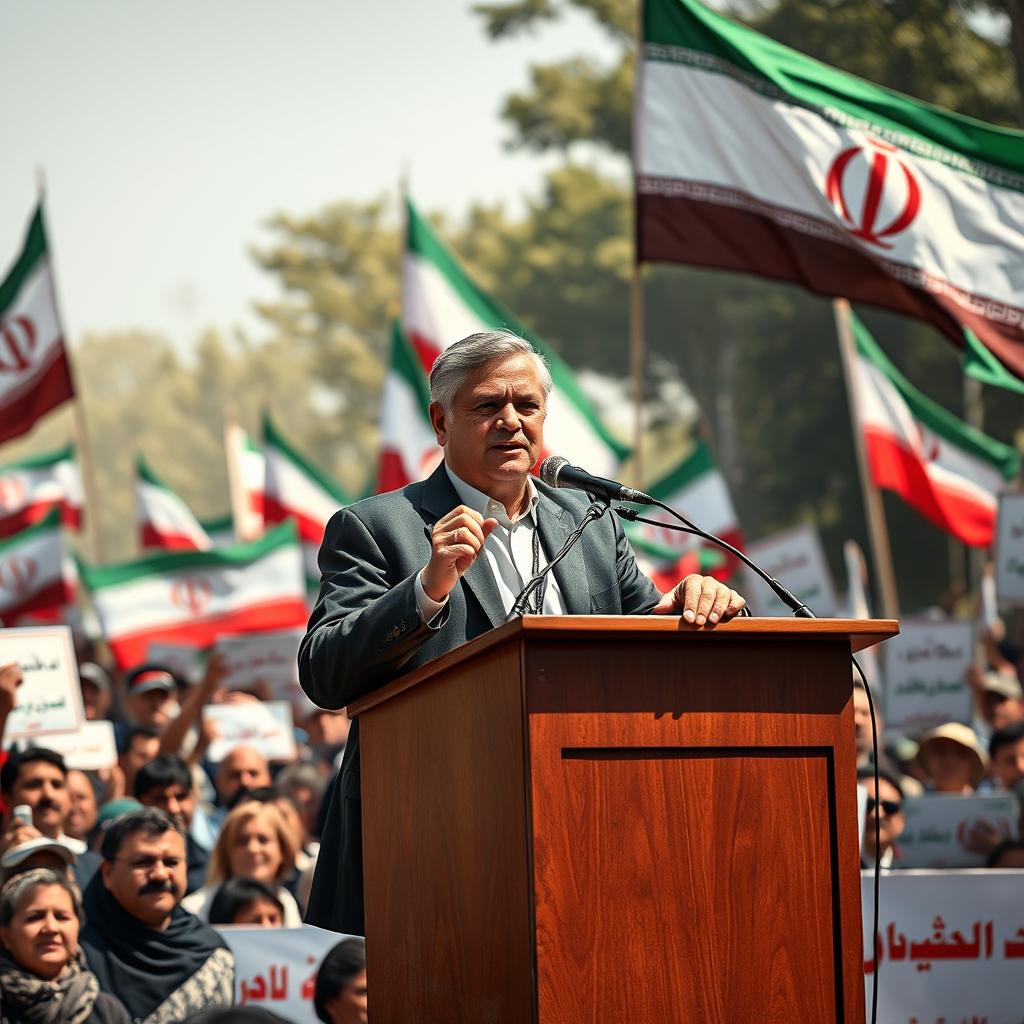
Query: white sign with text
x,y
271,658
938,831
926,675
1010,549
796,559
50,698
91,748
263,725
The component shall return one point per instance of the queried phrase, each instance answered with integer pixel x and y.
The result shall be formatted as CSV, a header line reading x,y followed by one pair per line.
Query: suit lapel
x,y
439,498
556,525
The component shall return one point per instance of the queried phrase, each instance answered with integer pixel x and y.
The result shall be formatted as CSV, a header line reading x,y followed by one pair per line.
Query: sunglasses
x,y
890,807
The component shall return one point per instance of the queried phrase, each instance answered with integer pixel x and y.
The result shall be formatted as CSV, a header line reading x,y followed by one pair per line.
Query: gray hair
x,y
20,886
458,361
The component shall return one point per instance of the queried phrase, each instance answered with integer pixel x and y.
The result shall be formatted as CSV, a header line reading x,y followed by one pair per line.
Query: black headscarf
x,y
140,965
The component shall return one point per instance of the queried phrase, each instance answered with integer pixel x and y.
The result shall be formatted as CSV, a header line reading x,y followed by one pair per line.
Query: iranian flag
x,y
948,471
408,448
36,576
247,476
34,372
696,489
753,157
32,487
191,597
296,489
221,530
163,519
440,305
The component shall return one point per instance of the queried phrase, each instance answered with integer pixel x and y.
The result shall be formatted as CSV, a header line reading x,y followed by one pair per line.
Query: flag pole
x,y
79,427
874,511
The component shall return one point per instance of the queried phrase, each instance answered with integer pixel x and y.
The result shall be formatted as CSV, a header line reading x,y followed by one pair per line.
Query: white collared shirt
x,y
508,551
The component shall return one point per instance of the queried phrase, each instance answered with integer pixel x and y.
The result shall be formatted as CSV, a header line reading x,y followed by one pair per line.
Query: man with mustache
x,y
164,963
410,575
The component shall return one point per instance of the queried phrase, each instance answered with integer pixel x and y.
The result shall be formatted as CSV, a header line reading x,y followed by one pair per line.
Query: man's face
x,y
95,701
1008,763
142,750
862,724
949,764
148,876
999,710
495,432
888,809
81,815
243,768
178,801
43,787
153,707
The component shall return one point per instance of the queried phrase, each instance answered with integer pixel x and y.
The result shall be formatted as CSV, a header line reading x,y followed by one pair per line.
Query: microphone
x,y
558,472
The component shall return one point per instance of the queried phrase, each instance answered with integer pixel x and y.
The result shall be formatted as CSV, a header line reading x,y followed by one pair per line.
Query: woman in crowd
x,y
245,901
253,843
340,993
43,975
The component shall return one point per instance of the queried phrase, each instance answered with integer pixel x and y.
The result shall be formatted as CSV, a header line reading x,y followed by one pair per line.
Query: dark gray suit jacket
x,y
366,629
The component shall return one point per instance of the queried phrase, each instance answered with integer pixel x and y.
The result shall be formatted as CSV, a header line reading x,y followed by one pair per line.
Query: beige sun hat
x,y
963,735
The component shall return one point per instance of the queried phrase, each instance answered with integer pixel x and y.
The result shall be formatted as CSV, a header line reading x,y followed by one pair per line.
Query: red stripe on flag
x,y
55,594
426,348
71,516
51,387
310,530
25,517
130,648
154,538
392,475
898,470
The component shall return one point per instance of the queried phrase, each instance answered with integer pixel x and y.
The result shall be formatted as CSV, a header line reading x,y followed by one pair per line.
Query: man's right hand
x,y
456,541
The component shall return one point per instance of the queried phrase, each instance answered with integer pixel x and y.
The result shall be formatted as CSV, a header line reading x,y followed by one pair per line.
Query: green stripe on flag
x,y
99,576
222,524
41,461
1003,457
33,251
422,241
274,438
406,364
146,474
703,38
982,365
49,522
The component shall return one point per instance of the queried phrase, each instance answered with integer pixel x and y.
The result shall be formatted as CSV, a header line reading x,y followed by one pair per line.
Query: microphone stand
x,y
595,512
795,605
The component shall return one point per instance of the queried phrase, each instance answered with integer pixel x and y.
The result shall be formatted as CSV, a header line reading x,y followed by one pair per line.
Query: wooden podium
x,y
616,820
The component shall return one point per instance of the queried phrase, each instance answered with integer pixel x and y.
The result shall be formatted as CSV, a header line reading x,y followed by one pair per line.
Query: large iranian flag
x,y
36,575
696,489
948,471
298,490
163,519
34,372
408,447
31,487
191,597
440,305
753,157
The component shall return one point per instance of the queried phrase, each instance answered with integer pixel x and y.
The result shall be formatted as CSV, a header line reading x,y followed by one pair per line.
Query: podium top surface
x,y
860,633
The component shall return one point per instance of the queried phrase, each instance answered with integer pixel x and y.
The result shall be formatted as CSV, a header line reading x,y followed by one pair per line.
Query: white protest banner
x,y
50,699
950,946
796,559
1010,549
271,657
276,967
263,725
186,661
926,675
91,748
938,828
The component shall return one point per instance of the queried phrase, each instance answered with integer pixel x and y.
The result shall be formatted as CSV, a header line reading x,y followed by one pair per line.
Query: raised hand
x,y
456,541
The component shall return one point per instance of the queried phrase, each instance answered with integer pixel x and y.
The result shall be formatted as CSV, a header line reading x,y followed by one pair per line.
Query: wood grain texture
x,y
449,928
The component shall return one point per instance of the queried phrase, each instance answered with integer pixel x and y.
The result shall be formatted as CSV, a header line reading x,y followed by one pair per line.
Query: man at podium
x,y
409,575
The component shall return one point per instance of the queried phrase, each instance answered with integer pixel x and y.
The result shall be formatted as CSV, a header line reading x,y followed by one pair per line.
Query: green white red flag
x,y
296,489
753,157
34,373
440,305
948,471
221,530
191,597
696,489
32,487
408,447
163,519
37,577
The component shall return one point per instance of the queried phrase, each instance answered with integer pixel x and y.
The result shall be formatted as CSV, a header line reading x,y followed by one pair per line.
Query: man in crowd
x,y
83,807
886,807
952,759
167,783
410,575
242,768
96,691
1006,750
151,696
139,745
163,963
1000,700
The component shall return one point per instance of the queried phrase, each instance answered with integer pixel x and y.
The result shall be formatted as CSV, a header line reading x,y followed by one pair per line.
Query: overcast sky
x,y
170,131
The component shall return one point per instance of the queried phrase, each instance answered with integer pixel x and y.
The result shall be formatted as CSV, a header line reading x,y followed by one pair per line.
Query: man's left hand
x,y
700,600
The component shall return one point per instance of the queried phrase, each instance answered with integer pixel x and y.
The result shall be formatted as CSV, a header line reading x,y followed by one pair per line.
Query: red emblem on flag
x,y
884,171
192,593
17,343
17,574
13,492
